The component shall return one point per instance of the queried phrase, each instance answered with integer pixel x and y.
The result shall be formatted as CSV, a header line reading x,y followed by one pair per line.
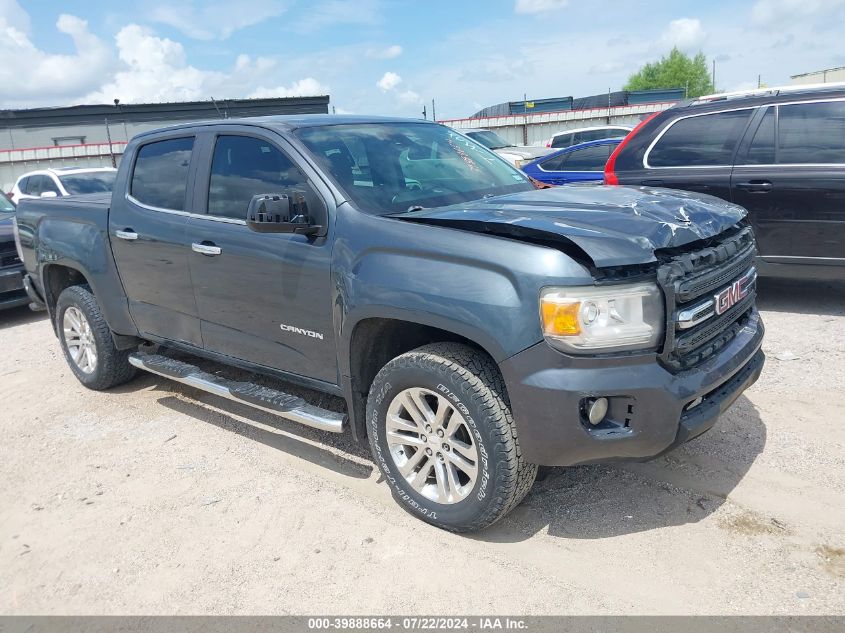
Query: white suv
x,y
68,181
568,138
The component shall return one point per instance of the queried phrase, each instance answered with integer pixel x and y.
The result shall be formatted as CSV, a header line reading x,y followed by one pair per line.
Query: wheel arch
x,y
376,340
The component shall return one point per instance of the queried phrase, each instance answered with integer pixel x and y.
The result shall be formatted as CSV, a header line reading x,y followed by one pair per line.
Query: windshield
x,y
490,140
90,182
6,205
393,167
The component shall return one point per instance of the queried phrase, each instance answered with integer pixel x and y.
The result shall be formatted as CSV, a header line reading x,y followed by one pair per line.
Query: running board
x,y
270,400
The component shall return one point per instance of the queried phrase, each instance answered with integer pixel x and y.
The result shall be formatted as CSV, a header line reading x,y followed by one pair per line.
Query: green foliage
x,y
676,70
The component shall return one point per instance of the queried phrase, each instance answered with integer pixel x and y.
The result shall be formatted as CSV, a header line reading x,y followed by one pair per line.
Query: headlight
x,y
587,319
519,162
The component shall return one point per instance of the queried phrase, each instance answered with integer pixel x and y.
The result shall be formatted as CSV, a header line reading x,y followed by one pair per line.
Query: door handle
x,y
755,186
652,183
126,234
206,248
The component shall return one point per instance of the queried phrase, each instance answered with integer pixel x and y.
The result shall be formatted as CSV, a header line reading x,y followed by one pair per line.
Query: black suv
x,y
780,153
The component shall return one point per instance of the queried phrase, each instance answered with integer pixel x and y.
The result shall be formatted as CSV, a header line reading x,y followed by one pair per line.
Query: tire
x,y
110,367
419,383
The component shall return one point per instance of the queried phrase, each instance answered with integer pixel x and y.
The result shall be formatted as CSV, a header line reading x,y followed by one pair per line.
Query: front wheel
x,y
87,342
441,431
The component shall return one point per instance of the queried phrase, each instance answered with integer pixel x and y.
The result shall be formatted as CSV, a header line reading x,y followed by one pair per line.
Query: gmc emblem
x,y
734,293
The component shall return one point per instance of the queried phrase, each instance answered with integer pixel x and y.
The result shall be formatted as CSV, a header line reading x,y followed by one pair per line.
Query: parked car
x,y
65,181
12,293
567,138
579,163
476,326
778,152
516,155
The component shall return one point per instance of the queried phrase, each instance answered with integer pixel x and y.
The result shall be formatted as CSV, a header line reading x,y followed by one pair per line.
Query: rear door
x,y
696,152
265,298
790,175
147,231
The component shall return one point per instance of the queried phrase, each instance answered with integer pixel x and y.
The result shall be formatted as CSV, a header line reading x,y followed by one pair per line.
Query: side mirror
x,y
281,213
49,194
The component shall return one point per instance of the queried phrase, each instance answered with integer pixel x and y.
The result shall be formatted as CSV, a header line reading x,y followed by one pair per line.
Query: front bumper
x,y
12,293
650,410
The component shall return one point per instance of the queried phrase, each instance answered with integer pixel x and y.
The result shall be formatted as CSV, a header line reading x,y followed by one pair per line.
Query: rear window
x,y
811,132
160,177
700,141
91,182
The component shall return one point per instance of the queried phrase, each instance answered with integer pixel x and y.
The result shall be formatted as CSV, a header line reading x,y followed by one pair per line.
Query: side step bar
x,y
256,396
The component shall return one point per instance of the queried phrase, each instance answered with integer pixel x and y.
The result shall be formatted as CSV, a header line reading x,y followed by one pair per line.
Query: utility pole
x,y
108,136
714,75
433,112
759,81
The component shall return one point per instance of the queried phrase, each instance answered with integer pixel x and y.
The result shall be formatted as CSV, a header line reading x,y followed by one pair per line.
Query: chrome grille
x,y
691,283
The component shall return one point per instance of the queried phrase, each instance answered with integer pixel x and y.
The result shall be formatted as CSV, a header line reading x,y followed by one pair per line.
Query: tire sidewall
x,y
479,503
71,298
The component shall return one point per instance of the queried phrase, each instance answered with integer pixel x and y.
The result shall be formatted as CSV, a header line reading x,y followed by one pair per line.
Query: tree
x,y
676,70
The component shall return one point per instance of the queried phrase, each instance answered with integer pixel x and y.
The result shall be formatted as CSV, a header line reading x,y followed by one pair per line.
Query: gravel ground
x,y
158,499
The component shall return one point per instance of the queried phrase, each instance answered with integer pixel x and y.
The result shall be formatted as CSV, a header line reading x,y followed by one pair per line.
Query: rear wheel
x,y
87,342
441,430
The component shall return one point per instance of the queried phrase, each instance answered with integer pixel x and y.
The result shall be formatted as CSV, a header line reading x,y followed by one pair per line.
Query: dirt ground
x,y
158,499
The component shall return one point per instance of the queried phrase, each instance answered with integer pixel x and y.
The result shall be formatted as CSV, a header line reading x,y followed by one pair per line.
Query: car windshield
x,y
490,140
6,205
88,182
388,168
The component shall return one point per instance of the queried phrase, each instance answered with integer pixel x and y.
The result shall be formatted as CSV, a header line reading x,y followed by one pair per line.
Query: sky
x,y
393,57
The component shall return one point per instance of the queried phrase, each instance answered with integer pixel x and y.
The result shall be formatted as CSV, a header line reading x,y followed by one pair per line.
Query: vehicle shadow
x,y
802,297
270,430
20,316
684,486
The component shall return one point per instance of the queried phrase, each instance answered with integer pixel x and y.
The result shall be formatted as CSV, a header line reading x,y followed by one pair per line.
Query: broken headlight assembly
x,y
602,319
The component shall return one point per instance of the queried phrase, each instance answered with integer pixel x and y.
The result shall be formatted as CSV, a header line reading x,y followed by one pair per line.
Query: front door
x,y
147,233
262,297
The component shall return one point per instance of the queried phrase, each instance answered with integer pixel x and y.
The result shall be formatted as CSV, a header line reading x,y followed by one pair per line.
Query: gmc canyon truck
x,y
475,325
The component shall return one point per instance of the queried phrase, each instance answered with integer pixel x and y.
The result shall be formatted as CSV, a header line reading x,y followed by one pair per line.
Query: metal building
x,y
95,135
534,122
827,76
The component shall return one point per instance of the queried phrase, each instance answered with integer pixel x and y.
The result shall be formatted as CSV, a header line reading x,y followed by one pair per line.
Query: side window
x,y
24,185
555,163
562,140
588,159
243,167
160,177
48,184
811,132
705,140
761,151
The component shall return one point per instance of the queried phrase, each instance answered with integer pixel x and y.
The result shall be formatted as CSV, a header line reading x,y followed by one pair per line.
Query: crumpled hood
x,y
614,226
526,152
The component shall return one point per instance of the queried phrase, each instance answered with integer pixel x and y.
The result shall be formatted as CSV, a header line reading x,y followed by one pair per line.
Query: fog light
x,y
596,411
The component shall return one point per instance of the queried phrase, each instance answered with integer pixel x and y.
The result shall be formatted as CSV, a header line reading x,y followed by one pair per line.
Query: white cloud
x,y
390,52
156,69
332,12
389,81
216,19
47,77
409,97
685,33
539,6
771,13
308,87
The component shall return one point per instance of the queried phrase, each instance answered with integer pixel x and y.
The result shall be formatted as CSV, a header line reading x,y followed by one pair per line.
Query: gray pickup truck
x,y
475,325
